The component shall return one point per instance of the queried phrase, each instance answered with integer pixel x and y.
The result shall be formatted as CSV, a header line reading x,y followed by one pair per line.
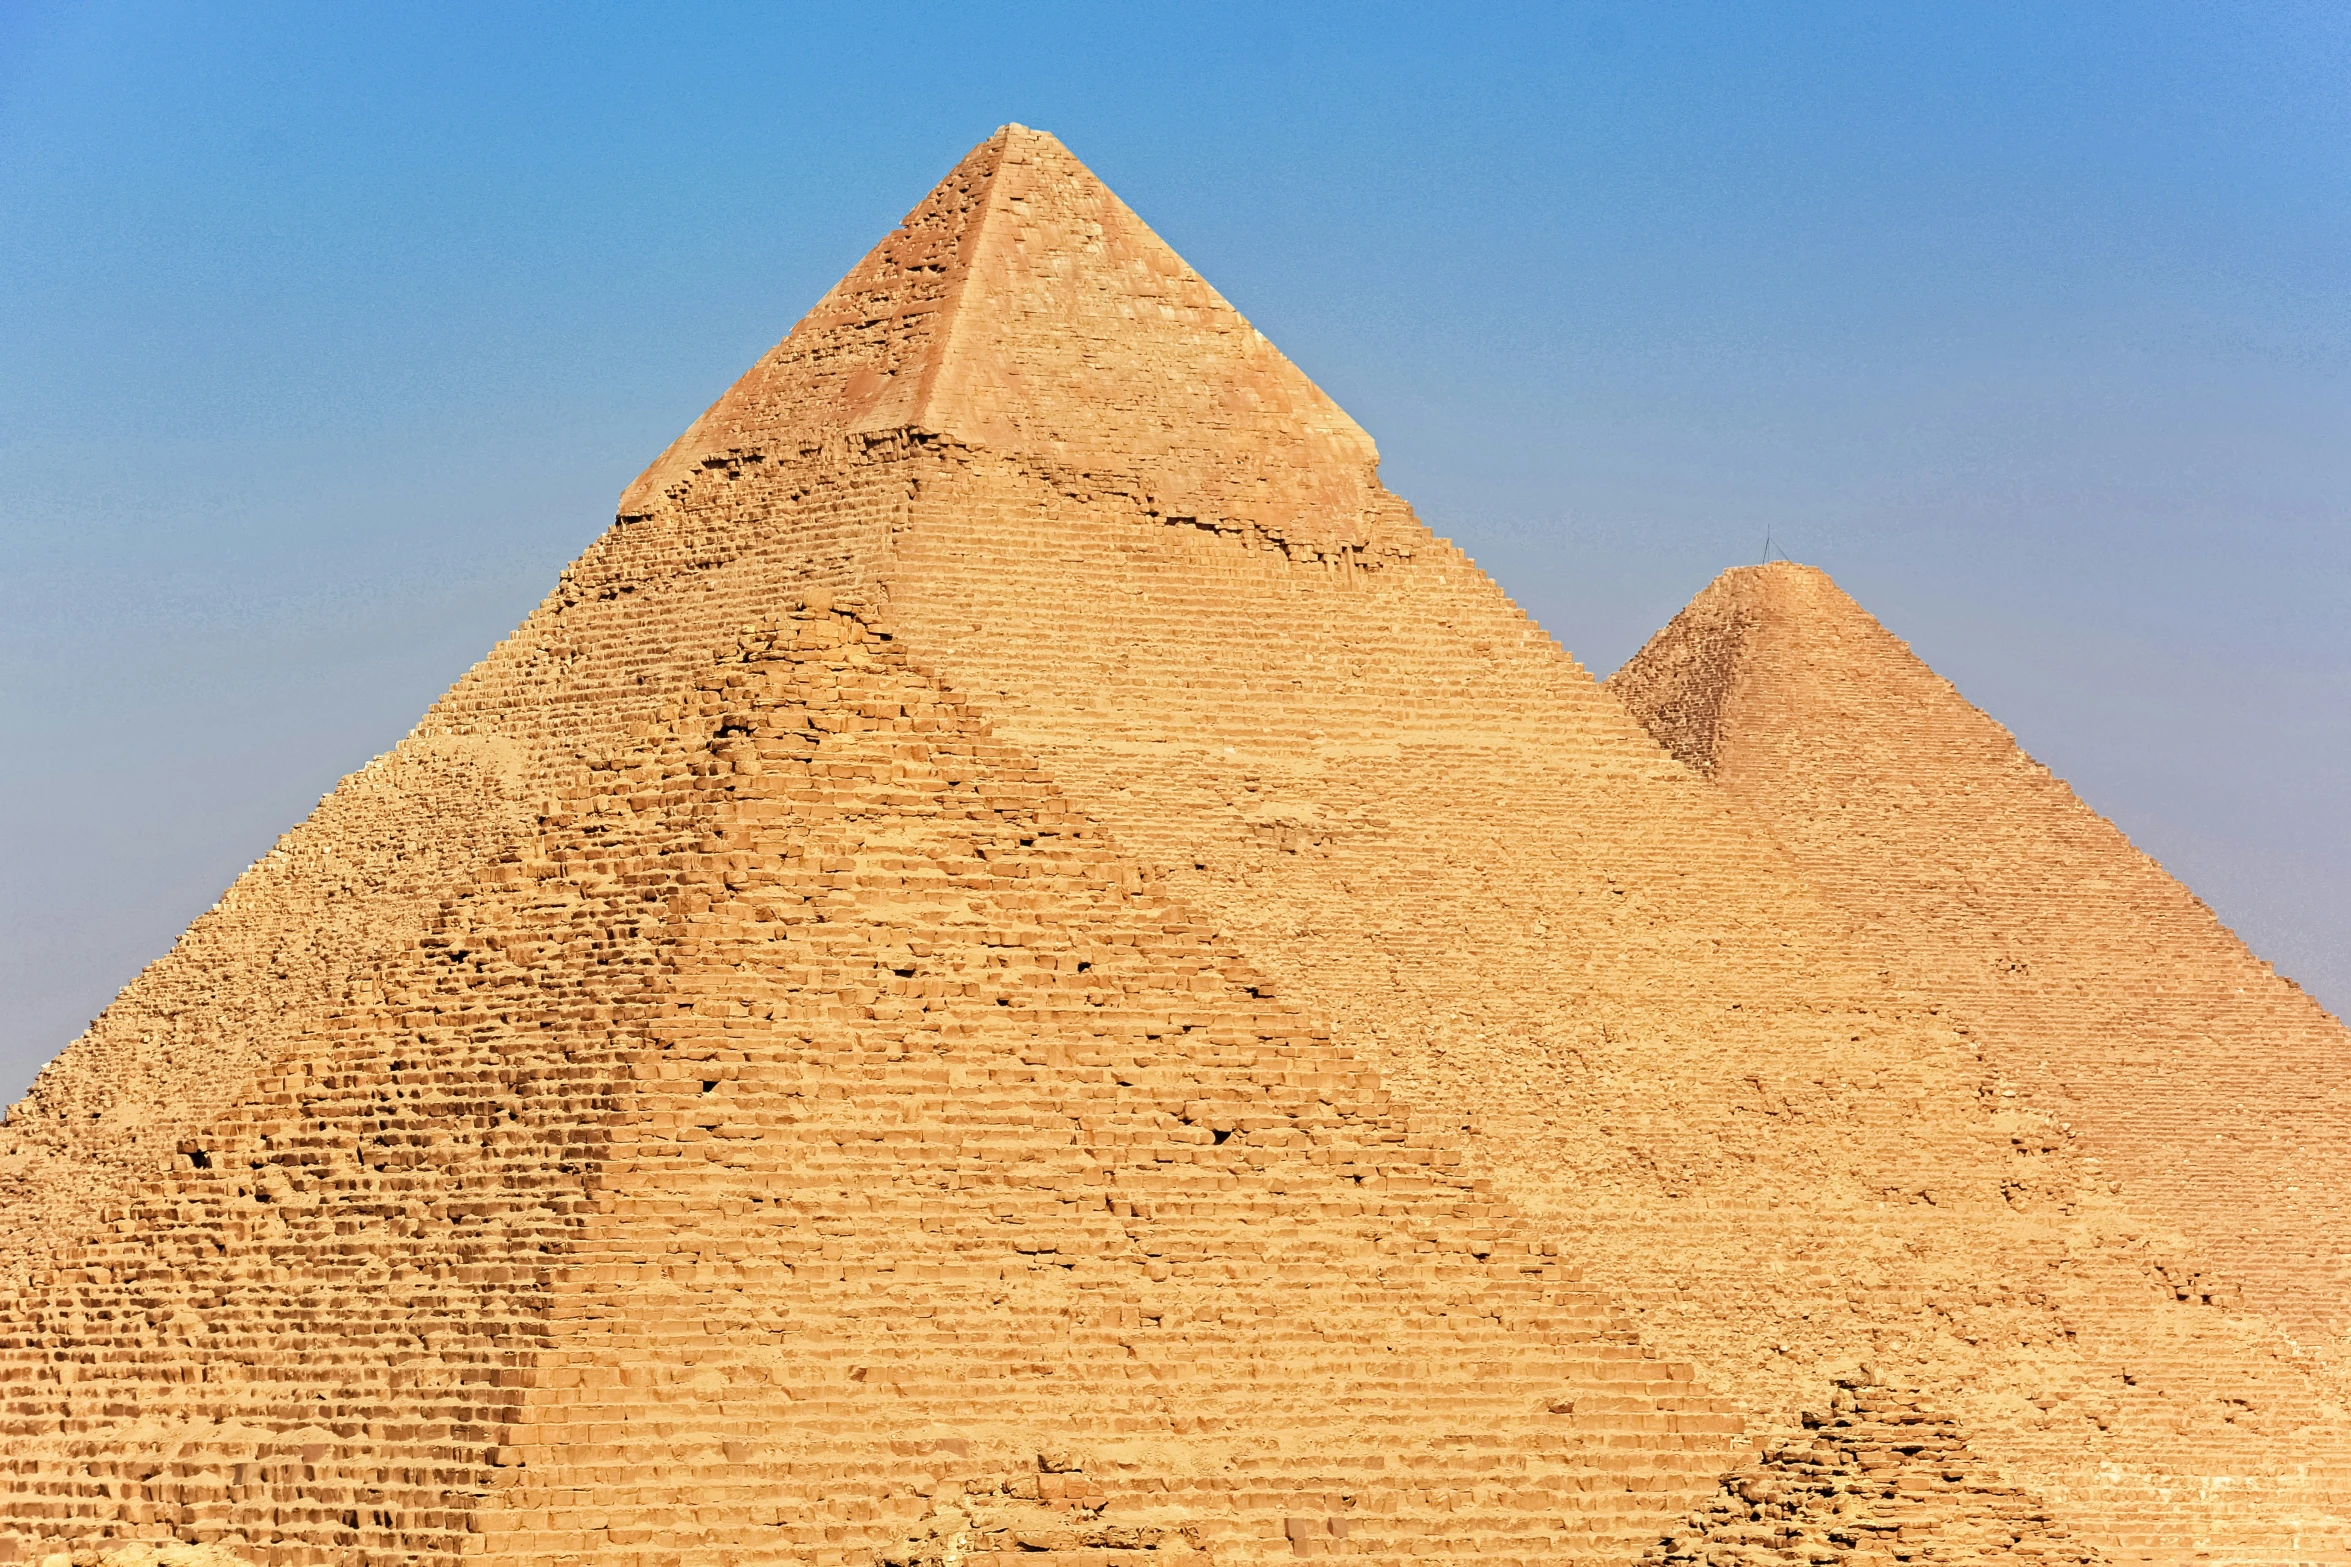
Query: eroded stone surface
x,y
1877,1475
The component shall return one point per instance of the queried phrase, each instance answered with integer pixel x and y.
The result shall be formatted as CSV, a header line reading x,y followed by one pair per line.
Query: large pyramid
x,y
1018,960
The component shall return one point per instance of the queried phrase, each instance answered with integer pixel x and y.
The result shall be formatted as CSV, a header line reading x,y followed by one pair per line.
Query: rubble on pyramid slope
x,y
816,1119
301,1336
1418,815
531,1293
2213,1093
1871,1476
307,923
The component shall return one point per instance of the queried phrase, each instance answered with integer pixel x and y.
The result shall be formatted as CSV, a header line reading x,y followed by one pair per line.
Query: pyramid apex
x,y
1765,571
1679,685
1775,588
1022,307
1028,140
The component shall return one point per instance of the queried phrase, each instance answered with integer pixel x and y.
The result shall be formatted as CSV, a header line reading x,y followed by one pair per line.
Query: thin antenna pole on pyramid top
x,y
1766,548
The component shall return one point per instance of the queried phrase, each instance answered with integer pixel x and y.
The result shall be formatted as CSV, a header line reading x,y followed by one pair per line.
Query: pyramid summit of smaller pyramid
x,y
1680,683
1022,307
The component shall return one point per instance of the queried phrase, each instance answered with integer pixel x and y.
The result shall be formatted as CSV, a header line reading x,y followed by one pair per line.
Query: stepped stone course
x,y
1018,961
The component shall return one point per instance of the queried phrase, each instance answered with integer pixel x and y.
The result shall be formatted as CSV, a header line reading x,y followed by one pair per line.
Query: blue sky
x,y
330,333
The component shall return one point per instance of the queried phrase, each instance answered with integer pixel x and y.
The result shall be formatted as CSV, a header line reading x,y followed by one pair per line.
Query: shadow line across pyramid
x,y
1019,960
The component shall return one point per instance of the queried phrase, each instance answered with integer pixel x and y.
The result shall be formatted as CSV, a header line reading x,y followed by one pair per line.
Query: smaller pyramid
x,y
2212,1090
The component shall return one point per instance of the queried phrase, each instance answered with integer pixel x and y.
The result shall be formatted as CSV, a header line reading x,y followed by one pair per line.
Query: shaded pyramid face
x,y
816,1143
864,1031
2213,1091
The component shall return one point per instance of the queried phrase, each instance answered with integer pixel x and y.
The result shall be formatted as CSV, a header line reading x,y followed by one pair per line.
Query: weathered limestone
x,y
1877,1474
1040,969
150,1554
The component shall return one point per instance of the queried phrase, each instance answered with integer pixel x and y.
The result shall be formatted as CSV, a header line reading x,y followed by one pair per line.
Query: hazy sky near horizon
x,y
330,333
